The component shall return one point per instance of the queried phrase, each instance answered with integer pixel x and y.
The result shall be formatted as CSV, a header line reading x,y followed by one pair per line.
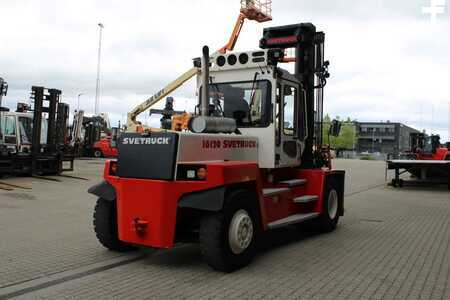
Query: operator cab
x,y
16,129
424,143
266,101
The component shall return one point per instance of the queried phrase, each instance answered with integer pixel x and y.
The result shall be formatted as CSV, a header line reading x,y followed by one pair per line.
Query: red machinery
x,y
250,162
102,148
428,147
428,161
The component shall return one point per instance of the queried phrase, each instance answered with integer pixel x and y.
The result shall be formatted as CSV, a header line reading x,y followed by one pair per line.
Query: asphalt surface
x,y
391,244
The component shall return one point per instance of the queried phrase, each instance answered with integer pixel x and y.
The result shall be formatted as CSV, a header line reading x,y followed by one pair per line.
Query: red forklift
x,y
250,161
427,161
425,147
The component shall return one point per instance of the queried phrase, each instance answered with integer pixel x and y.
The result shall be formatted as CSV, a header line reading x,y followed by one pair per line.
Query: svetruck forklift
x,y
250,161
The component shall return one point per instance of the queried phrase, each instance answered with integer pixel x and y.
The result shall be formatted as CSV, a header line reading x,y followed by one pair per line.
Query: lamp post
x,y
97,88
78,104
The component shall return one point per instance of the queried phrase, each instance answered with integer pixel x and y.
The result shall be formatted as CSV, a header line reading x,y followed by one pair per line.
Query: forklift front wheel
x,y
228,237
329,218
105,226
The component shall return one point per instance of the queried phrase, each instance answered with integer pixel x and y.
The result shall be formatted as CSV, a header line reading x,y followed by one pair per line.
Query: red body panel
x,y
441,154
104,145
154,203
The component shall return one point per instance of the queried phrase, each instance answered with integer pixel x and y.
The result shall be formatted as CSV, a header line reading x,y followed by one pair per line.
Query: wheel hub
x,y
240,233
332,204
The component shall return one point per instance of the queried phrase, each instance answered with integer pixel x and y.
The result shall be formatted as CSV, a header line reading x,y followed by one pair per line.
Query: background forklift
x,y
428,162
91,136
251,161
425,147
34,141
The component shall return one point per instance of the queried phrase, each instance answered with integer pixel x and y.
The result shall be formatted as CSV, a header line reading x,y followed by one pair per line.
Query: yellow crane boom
x,y
256,10
132,124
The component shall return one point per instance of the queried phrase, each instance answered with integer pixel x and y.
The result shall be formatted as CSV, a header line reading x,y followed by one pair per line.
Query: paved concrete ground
x,y
390,244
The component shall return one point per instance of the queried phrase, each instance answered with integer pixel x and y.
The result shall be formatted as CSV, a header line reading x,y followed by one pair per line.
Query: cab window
x,y
289,117
10,130
25,129
247,102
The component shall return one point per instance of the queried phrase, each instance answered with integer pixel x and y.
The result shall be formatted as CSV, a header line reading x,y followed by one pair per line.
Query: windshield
x,y
246,102
428,145
25,129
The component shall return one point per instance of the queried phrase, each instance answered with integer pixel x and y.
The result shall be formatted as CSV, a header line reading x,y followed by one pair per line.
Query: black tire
x,y
215,237
105,226
325,222
98,153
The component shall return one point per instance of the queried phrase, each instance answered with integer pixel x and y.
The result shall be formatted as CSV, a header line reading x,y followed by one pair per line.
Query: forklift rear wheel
x,y
98,154
105,226
228,238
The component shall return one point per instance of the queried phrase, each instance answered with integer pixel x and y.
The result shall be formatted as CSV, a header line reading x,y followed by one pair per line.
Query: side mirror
x,y
335,128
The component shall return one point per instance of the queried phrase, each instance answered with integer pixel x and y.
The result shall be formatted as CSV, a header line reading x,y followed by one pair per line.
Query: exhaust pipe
x,y
205,82
204,123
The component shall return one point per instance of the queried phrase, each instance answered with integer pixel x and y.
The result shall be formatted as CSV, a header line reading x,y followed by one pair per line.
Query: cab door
x,y
291,124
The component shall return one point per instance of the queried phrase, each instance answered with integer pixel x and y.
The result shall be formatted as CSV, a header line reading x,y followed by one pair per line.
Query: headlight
x,y
191,172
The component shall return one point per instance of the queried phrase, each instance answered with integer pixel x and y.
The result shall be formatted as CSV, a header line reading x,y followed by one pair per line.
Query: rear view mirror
x,y
335,128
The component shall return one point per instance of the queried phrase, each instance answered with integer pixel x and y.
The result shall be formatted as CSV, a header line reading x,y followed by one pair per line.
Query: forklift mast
x,y
48,157
311,70
416,141
40,95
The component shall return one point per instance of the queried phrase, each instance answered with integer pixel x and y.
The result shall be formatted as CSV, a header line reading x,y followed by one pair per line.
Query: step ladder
x,y
287,186
306,199
294,219
293,182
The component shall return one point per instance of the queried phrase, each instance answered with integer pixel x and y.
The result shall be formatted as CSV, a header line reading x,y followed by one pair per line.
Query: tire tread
x,y
105,226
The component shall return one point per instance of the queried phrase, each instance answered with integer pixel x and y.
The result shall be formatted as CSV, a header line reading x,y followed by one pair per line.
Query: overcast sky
x,y
388,60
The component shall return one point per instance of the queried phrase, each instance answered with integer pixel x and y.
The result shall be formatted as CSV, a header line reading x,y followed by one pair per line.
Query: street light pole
x,y
78,106
97,88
